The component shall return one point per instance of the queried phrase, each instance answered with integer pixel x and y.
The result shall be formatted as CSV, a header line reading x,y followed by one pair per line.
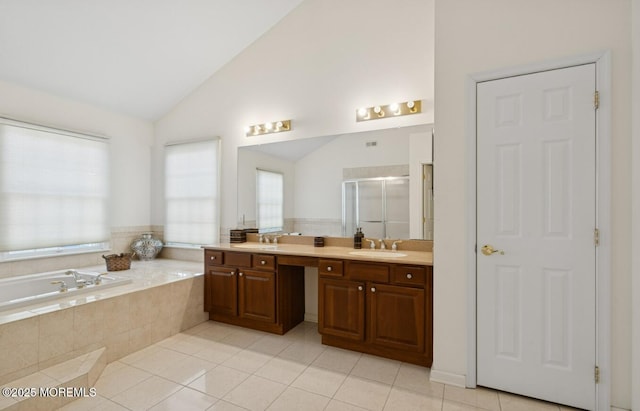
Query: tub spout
x,y
63,285
74,273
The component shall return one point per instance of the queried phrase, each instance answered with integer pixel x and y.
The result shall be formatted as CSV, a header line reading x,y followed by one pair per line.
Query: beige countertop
x,y
304,250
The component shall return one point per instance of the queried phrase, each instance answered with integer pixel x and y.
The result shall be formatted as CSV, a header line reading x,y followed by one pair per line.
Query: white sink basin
x,y
377,254
256,246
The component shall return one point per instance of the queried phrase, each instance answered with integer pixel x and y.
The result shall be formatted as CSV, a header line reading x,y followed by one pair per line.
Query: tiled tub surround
x,y
164,298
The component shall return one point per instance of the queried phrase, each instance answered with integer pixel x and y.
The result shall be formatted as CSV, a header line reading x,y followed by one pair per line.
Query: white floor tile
x,y
120,379
293,399
186,399
320,381
265,371
281,370
376,368
255,393
404,400
147,393
368,394
219,381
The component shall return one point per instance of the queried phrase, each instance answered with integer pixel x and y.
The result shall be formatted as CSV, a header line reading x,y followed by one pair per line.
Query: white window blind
x,y
270,198
191,193
54,191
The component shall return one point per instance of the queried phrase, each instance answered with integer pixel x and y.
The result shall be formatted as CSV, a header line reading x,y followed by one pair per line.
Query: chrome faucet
x,y
63,285
394,246
98,279
372,243
80,282
383,246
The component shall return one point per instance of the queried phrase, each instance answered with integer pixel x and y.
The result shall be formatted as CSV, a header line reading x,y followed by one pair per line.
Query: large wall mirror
x,y
322,176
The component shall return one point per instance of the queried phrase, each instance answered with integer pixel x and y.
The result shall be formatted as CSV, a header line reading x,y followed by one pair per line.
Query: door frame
x,y
602,61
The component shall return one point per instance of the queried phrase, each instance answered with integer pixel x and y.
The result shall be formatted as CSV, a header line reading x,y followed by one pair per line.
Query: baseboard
x,y
619,409
312,318
448,378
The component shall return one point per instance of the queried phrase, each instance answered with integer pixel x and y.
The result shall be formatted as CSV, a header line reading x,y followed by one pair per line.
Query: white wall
x,y
319,175
316,67
494,34
130,141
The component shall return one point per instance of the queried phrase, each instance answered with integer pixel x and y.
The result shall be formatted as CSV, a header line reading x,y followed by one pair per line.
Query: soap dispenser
x,y
357,238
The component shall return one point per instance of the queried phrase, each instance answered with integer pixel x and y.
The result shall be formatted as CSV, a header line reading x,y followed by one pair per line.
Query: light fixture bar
x,y
268,128
390,110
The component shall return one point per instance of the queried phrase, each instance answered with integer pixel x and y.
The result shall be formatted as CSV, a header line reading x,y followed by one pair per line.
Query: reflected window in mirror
x,y
270,201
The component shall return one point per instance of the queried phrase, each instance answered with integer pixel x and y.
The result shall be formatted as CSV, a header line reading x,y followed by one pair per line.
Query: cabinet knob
x,y
329,268
233,272
373,289
240,274
213,258
409,276
360,288
263,262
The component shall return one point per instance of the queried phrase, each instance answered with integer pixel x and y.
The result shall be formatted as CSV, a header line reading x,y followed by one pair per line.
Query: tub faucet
x,y
80,282
74,273
98,279
63,285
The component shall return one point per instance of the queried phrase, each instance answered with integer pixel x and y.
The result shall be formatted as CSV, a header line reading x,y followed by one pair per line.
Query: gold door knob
x,y
488,250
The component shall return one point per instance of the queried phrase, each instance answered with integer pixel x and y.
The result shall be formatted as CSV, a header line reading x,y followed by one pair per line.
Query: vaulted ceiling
x,y
136,57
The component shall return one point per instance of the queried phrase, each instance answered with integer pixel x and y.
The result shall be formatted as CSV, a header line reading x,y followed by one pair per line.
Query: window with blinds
x,y
270,200
54,191
191,193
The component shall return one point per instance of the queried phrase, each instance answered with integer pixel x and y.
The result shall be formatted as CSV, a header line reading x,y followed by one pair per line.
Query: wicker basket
x,y
117,262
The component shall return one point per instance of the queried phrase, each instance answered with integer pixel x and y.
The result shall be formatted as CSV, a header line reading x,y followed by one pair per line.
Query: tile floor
x,y
219,367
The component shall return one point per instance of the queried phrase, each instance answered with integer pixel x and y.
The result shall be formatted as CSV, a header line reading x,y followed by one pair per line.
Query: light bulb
x,y
279,125
268,126
395,108
362,112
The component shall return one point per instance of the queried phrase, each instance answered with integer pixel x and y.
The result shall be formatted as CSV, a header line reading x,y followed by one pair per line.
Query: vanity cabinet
x,y
378,308
246,289
383,308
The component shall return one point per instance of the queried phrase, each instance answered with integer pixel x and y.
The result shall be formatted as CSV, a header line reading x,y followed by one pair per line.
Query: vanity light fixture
x,y
268,128
390,110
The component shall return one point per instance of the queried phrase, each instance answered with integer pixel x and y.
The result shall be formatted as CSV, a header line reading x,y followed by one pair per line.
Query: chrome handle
x,y
57,282
240,274
263,262
360,288
373,289
329,268
409,276
233,273
488,250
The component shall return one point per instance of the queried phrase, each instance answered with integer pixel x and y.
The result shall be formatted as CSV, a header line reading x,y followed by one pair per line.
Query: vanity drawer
x,y
213,257
237,259
409,275
368,272
331,268
264,261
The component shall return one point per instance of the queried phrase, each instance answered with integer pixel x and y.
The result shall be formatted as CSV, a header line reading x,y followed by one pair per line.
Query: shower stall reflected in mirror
x,y
379,205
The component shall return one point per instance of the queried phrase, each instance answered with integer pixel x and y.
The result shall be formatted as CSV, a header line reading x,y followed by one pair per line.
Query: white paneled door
x,y
536,218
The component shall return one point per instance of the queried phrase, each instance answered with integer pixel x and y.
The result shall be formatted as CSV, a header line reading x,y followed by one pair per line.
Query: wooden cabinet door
x,y
341,308
221,291
257,295
397,317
